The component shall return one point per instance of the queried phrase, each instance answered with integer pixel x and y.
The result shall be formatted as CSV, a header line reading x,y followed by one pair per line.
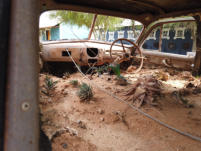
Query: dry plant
x,y
144,91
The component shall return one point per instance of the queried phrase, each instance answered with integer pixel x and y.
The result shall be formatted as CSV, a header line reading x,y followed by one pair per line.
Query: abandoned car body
x,y
25,13
88,52
171,42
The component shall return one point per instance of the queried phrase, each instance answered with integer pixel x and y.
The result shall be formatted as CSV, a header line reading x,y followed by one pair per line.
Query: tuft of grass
x,y
66,75
74,83
49,85
85,92
102,69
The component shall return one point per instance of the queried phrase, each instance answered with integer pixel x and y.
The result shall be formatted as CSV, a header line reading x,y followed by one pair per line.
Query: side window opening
x,y
152,41
176,38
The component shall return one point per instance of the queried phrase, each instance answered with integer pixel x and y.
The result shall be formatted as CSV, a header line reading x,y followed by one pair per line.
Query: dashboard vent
x,y
92,52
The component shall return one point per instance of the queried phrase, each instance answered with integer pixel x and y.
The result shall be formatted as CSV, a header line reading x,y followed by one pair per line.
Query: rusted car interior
x,y
84,52
88,52
156,48
19,122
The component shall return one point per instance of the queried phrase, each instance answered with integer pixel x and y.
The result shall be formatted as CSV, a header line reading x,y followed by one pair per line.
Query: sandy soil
x,y
95,126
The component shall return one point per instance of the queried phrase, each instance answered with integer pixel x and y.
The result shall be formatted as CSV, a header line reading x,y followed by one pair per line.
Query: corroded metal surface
x,y
4,32
128,57
197,62
92,26
145,11
52,52
22,127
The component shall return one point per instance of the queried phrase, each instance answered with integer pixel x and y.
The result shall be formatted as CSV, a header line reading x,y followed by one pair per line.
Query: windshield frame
x,y
92,26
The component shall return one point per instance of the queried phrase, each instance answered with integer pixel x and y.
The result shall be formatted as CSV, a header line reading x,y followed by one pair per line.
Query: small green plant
x,y
85,92
49,85
121,80
116,69
66,75
100,70
74,83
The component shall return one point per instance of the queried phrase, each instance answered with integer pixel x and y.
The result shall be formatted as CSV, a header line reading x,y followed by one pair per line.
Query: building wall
x,y
177,39
65,31
55,33
43,37
125,30
152,42
178,45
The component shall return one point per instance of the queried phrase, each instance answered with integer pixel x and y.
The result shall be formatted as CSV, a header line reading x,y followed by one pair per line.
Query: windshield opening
x,y
71,25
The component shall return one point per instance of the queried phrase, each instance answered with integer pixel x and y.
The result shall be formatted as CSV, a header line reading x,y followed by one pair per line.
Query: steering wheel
x,y
125,55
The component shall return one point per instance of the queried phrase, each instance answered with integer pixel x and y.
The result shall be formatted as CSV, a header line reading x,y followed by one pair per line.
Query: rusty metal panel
x,y
92,26
197,61
4,26
22,123
145,11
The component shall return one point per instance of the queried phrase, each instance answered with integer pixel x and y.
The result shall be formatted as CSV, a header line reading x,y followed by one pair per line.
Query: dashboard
x,y
83,52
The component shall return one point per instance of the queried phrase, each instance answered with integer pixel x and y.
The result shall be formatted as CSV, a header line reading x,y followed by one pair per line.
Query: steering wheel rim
x,y
134,44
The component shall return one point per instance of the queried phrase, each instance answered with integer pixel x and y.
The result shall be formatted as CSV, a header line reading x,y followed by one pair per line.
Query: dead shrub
x,y
144,91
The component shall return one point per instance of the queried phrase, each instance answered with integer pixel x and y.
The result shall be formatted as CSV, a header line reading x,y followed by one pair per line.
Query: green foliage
x,y
116,69
108,22
138,27
73,18
120,79
100,70
103,23
74,82
85,92
49,85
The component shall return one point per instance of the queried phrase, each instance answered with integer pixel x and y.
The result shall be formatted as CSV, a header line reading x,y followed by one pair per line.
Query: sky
x,y
68,31
45,21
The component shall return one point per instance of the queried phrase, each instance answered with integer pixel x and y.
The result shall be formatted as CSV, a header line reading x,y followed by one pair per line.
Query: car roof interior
x,y
145,11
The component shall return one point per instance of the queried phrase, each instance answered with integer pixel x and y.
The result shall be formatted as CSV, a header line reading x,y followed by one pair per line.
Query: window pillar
x,y
197,61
